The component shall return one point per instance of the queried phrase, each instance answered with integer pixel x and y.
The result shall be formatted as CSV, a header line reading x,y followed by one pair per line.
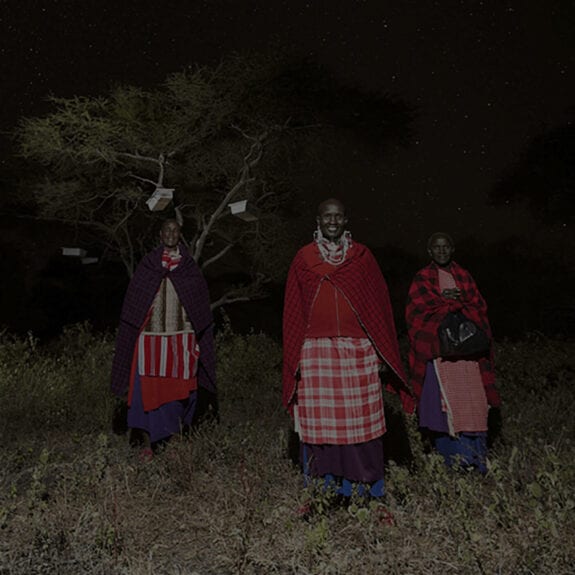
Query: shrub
x,y
224,500
248,373
61,387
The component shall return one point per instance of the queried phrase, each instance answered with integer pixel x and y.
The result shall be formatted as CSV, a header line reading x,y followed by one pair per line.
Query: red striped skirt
x,y
167,364
339,396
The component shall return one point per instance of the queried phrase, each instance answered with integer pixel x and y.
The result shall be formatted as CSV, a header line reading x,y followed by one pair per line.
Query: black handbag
x,y
461,337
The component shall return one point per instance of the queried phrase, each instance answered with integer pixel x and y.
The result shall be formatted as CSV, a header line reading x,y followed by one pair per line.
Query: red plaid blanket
x,y
339,398
425,310
360,280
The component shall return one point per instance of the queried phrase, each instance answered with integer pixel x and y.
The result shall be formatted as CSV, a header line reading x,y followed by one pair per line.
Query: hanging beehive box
x,y
88,261
244,210
160,199
74,252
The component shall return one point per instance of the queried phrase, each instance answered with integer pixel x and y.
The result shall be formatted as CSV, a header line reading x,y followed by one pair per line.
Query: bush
x,y
64,387
249,374
224,500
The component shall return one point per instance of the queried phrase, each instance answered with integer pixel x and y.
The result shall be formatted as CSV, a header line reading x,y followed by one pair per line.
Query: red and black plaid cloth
x,y
360,280
426,309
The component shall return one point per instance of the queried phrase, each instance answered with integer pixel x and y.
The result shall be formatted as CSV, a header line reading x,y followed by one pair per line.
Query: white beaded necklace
x,y
331,252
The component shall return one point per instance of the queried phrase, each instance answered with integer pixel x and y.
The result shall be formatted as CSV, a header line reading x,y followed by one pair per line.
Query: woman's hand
x,y
451,293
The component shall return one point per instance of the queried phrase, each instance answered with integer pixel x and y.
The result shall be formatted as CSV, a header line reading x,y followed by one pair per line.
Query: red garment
x,y
360,280
461,384
170,260
339,399
331,314
167,364
192,292
426,309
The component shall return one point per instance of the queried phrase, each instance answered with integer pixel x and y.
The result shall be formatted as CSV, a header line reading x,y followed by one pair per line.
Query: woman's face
x,y
170,234
441,251
332,220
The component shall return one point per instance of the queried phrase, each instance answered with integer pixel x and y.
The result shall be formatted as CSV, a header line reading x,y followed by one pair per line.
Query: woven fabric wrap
x,y
168,355
339,398
426,309
463,395
167,313
360,280
192,292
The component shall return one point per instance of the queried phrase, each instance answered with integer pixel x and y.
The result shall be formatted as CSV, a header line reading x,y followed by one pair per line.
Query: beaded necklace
x,y
331,252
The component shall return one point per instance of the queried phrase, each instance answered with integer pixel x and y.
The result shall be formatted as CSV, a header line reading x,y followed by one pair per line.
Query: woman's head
x,y
170,233
440,247
331,219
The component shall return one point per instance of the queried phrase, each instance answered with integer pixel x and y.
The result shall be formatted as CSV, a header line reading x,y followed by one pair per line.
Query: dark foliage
x,y
544,178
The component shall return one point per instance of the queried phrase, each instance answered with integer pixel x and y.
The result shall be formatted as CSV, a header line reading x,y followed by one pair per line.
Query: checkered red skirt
x,y
339,396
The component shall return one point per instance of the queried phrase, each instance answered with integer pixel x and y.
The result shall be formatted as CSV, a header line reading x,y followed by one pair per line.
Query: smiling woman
x,y
339,340
164,347
331,219
170,234
331,238
454,393
440,247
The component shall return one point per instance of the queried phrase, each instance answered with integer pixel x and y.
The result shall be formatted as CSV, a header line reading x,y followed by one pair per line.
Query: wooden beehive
x,y
160,199
244,210
74,252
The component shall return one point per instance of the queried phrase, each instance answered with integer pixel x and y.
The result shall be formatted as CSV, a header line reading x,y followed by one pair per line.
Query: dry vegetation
x,y
75,498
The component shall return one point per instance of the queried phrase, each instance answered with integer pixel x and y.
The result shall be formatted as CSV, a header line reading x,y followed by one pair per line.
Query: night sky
x,y
484,76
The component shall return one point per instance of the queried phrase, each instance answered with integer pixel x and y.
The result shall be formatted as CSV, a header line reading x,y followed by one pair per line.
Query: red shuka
x,y
360,280
426,309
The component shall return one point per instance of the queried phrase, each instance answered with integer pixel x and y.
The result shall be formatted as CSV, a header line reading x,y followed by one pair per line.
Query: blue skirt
x,y
166,420
465,450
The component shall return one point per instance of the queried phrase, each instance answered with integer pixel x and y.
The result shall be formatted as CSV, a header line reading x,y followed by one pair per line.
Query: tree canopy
x,y
544,178
238,130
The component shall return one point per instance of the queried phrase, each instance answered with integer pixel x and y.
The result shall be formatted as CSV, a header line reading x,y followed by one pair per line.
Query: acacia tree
x,y
215,135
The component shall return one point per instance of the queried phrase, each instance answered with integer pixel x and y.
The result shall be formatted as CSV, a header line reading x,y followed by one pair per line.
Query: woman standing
x,y
454,394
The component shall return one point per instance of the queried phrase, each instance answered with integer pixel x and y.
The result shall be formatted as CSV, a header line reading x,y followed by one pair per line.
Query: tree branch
x,y
219,255
228,298
249,163
139,157
140,179
243,293
160,161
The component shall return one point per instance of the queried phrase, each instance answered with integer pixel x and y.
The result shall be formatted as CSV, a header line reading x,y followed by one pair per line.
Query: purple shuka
x,y
164,421
362,462
192,291
430,413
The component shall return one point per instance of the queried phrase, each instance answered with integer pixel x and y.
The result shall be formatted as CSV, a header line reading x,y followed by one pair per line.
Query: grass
x,y
75,498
